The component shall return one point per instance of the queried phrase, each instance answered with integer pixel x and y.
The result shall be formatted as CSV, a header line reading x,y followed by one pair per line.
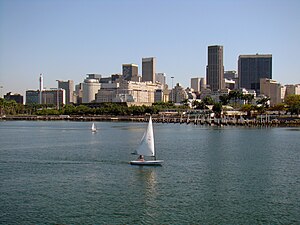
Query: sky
x,y
67,39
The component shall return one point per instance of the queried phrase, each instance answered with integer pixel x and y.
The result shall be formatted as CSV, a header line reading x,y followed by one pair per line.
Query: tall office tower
x,y
68,86
41,87
215,68
161,78
251,68
129,71
148,69
202,83
195,84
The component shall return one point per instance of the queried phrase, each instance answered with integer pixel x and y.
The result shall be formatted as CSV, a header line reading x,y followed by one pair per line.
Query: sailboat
x,y
94,129
146,148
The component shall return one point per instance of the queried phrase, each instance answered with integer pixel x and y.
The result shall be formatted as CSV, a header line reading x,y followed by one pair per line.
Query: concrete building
x,y
271,89
148,69
160,78
202,84
68,86
232,75
90,88
195,84
230,84
215,68
33,97
129,91
55,96
178,94
15,97
251,68
292,89
129,71
78,93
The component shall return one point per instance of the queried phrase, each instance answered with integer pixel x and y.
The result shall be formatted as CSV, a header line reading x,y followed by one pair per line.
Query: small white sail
x,y
146,147
94,128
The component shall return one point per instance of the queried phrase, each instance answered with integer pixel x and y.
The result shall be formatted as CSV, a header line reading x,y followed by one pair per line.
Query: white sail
x,y
93,128
146,147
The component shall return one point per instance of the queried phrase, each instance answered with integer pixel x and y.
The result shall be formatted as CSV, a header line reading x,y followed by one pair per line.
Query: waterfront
x,y
59,172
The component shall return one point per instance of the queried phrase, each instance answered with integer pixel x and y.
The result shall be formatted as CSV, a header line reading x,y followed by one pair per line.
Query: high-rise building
x,y
68,86
195,84
148,69
160,78
202,83
215,68
251,68
130,71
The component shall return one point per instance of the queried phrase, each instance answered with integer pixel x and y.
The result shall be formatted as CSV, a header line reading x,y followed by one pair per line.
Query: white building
x,y
90,88
129,91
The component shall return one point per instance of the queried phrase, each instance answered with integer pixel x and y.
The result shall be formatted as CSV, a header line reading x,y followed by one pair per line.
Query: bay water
x,y
59,172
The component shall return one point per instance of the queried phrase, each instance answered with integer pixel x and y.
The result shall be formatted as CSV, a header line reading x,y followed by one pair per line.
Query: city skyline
x,y
65,40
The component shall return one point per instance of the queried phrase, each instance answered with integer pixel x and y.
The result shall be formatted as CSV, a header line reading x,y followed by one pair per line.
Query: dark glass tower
x,y
148,69
129,71
251,68
215,68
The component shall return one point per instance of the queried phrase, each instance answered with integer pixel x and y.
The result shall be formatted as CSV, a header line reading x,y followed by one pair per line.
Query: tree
x,y
235,95
248,98
217,109
293,102
224,99
247,108
208,100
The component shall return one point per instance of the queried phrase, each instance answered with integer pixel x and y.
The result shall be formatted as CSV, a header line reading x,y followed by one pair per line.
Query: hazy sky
x,y
66,39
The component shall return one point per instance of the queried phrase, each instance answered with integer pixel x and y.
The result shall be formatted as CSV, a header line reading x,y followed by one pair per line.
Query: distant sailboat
x,y
146,148
94,129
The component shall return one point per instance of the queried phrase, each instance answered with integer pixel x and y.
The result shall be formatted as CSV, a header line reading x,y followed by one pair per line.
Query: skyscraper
x,y
68,86
129,71
195,84
251,68
215,68
148,69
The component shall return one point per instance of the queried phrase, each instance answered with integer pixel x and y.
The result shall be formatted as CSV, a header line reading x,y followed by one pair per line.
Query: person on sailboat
x,y
141,158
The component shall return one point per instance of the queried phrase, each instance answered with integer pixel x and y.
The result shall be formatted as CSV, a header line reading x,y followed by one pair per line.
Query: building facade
x,y
48,97
251,68
15,97
148,69
271,89
160,78
32,97
90,87
195,84
68,86
215,68
292,89
130,71
129,91
178,94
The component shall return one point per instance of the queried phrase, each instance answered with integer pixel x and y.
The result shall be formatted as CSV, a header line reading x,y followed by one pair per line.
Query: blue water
x,y
57,172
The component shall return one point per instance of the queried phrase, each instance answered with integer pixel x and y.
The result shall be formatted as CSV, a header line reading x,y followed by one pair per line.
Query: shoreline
x,y
277,122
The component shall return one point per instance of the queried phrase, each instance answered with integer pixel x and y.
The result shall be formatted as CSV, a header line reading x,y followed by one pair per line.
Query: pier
x,y
201,120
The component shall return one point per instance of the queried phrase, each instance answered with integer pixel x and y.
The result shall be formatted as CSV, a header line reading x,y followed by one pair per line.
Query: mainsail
x,y
146,147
